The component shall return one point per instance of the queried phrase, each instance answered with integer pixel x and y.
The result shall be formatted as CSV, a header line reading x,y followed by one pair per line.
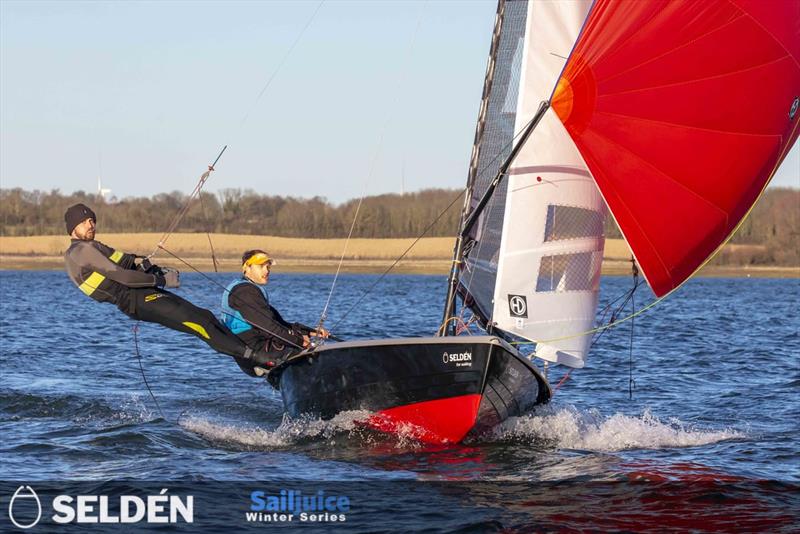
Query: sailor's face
x,y
85,230
258,273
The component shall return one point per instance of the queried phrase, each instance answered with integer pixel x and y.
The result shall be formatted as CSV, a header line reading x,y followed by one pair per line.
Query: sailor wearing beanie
x,y
108,275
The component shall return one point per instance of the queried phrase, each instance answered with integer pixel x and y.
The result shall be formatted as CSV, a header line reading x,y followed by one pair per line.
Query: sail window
x,y
569,222
569,272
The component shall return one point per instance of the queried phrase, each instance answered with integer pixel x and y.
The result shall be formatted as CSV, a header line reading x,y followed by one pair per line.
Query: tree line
x,y
235,211
774,223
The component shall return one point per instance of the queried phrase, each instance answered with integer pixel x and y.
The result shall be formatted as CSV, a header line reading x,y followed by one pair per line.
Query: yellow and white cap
x,y
257,258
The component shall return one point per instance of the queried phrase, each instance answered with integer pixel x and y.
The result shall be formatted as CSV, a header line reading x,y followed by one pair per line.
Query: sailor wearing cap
x,y
247,312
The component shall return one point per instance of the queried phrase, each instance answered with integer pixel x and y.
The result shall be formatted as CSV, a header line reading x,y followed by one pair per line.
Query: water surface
x,y
714,407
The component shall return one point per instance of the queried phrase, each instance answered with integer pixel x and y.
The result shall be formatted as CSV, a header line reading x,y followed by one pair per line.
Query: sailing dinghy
x,y
673,114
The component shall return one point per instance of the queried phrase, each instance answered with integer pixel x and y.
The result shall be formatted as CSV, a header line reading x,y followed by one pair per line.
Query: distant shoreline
x,y
429,256
367,266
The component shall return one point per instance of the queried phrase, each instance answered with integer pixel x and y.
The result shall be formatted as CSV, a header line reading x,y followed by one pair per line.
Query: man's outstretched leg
x,y
156,305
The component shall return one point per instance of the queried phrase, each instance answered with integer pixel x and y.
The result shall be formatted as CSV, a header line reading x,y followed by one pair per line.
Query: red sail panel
x,y
682,111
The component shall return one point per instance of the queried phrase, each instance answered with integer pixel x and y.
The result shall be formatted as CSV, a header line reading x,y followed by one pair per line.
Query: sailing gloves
x,y
172,278
169,278
165,277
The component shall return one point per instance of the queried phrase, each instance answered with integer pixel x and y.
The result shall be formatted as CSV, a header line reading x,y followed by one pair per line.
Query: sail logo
x,y
23,498
518,306
461,359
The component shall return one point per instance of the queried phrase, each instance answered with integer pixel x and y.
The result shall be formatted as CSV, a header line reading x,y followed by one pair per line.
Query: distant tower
x,y
403,177
100,191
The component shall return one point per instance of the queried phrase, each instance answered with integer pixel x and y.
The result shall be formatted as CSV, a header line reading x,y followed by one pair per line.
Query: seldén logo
x,y
461,359
125,509
21,505
290,505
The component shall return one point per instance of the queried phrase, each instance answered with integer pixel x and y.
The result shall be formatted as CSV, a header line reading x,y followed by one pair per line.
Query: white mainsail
x,y
552,242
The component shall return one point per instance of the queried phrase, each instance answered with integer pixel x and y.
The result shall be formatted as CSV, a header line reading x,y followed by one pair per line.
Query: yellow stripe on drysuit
x,y
95,279
197,328
90,284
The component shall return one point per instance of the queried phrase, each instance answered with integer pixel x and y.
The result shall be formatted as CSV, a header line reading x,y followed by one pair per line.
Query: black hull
x,y
449,387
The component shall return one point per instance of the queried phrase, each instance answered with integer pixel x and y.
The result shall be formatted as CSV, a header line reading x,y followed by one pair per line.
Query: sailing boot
x,y
264,361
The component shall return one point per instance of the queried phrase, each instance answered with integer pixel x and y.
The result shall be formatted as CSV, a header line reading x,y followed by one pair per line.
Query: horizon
x,y
140,95
115,200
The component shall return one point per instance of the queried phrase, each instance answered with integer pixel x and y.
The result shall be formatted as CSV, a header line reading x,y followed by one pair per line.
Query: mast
x,y
452,280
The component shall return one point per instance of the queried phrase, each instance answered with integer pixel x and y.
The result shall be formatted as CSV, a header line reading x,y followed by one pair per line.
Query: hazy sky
x,y
146,93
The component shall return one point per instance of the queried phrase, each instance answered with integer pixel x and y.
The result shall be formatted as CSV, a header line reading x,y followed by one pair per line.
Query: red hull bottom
x,y
438,421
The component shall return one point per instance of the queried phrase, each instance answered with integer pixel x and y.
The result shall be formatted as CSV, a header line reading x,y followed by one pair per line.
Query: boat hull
x,y
438,390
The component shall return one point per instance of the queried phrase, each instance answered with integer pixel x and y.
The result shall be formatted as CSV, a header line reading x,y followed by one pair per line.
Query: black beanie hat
x,y
77,214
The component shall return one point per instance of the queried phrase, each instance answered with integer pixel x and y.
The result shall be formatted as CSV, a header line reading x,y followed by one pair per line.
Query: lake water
x,y
708,440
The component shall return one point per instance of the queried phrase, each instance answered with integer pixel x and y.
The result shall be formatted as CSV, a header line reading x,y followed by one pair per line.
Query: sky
x,y
374,97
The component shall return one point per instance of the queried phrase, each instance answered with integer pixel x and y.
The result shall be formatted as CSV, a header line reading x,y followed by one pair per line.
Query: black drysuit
x,y
266,330
110,276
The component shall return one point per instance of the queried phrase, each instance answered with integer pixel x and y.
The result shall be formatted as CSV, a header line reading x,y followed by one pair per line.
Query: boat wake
x,y
547,428
289,432
571,428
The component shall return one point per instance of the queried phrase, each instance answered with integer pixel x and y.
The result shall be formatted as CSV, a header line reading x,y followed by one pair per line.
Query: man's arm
x,y
92,258
249,301
123,259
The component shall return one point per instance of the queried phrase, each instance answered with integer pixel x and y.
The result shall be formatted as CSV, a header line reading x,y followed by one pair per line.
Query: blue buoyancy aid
x,y
232,318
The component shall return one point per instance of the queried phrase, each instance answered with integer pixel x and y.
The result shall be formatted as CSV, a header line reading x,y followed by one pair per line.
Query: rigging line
x,y
382,276
280,64
458,319
627,297
141,368
402,79
596,329
624,295
182,212
485,219
324,314
208,233
631,383
225,290
427,229
432,224
630,351
485,222
205,175
445,323
470,189
561,382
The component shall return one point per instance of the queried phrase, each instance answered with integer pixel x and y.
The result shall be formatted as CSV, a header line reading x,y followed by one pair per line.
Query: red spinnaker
x,y
682,111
